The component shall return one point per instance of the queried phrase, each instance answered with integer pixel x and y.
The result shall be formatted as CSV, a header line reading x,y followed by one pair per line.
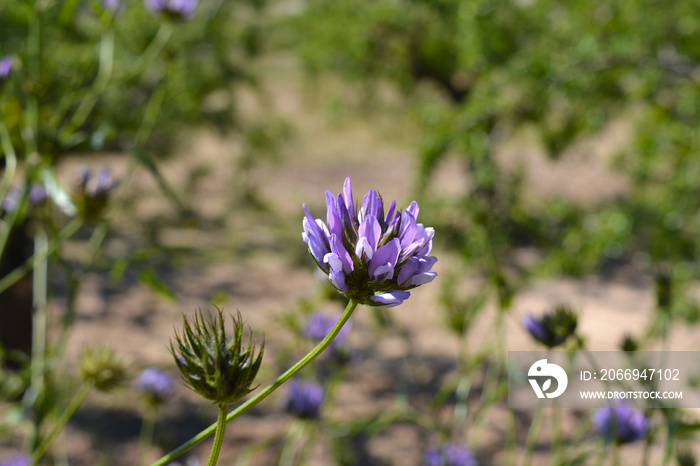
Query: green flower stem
x,y
39,300
532,435
352,304
12,277
146,435
219,437
61,422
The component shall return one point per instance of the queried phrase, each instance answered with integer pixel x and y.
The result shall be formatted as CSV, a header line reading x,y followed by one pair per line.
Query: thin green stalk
x,y
532,435
39,300
153,50
219,437
303,362
10,156
146,436
75,402
295,435
12,277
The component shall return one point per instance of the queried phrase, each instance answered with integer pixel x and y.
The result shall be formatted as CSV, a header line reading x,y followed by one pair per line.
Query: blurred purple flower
x,y
5,67
553,328
116,6
94,192
37,194
620,423
451,454
175,9
16,460
100,185
368,256
304,399
156,385
319,325
12,199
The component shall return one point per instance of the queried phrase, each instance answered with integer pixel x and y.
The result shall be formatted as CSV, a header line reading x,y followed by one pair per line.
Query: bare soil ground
x,y
253,260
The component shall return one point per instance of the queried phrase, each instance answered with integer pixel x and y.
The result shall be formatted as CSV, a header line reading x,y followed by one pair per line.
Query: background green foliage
x,y
560,70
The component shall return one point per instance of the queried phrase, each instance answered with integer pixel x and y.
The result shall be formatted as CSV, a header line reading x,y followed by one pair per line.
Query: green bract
x,y
219,369
102,368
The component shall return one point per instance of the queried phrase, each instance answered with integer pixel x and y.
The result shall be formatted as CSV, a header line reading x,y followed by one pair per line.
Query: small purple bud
x,y
12,199
304,399
451,454
155,385
37,194
5,68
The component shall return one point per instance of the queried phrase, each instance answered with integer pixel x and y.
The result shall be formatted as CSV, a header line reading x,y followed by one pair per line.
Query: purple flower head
x,y
16,460
173,9
368,255
304,399
12,199
94,192
620,423
156,385
5,68
553,328
451,454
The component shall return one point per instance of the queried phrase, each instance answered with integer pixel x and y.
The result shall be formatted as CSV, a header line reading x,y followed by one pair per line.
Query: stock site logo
x,y
540,377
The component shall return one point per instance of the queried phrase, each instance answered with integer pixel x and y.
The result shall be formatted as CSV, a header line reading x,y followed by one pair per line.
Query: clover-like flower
x,y
219,369
156,385
370,256
451,454
172,9
553,328
620,423
304,399
102,368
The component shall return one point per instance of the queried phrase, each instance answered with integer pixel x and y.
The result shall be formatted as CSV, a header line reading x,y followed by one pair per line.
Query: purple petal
x,y
535,327
349,203
392,298
390,213
368,237
413,209
408,229
341,255
335,224
416,271
372,205
381,266
337,278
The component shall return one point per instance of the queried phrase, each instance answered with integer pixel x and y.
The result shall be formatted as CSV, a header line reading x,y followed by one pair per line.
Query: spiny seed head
x,y
102,368
553,328
219,369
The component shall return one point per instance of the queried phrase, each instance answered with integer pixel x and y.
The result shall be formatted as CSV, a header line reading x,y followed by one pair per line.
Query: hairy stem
x,y
219,437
